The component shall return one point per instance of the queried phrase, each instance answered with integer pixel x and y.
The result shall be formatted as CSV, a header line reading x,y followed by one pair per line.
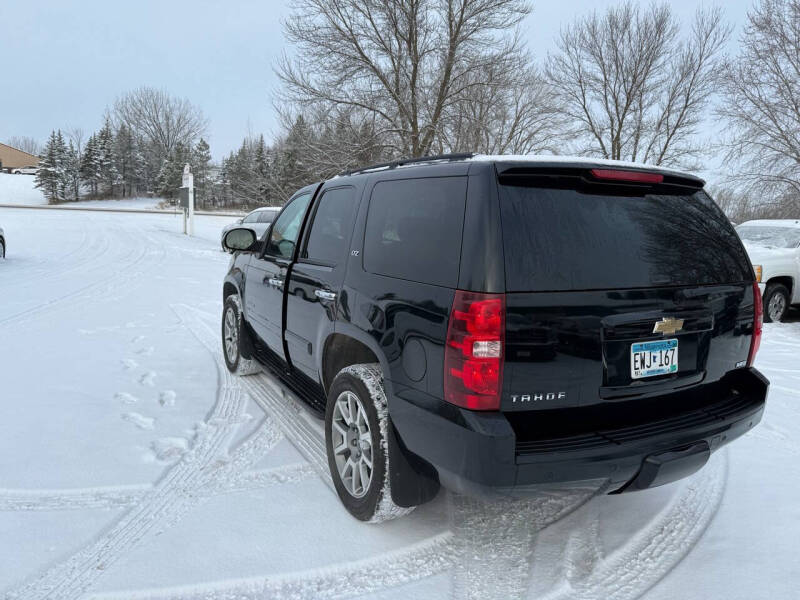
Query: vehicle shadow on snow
x,y
793,316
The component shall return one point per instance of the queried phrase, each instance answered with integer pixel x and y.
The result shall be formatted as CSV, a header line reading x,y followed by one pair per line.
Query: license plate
x,y
649,359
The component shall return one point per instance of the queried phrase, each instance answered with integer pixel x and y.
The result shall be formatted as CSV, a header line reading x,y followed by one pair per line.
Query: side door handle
x,y
278,283
325,295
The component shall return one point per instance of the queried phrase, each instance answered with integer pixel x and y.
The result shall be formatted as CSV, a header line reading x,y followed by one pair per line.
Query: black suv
x,y
502,324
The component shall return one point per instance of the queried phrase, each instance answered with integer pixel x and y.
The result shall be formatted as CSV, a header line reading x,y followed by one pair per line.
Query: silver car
x,y
259,221
29,170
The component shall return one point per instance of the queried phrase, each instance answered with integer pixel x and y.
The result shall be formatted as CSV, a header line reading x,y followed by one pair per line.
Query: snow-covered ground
x,y
141,203
132,465
19,189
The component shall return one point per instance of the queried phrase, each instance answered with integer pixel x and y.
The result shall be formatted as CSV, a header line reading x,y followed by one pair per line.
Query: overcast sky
x,y
62,63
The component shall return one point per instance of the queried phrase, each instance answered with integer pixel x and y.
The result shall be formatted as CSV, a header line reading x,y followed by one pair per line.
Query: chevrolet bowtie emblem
x,y
668,326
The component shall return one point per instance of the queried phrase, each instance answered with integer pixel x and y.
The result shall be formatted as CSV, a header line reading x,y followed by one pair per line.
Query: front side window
x,y
286,228
333,223
251,218
414,229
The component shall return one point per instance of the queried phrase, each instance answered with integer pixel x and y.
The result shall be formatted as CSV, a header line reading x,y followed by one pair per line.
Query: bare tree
x,y
163,121
25,143
744,204
762,101
408,66
517,117
76,135
632,87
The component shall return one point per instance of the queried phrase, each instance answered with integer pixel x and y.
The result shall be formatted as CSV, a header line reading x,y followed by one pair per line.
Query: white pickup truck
x,y
774,249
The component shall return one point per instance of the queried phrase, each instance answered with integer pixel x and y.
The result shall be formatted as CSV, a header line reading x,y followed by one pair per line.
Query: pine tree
x,y
171,174
88,166
128,162
106,169
61,167
71,180
201,165
290,169
261,172
47,175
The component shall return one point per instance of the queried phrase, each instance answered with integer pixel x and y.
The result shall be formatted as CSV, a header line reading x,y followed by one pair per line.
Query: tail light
x,y
473,356
758,324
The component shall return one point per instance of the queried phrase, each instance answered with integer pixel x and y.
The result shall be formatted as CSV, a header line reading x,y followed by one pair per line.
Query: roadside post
x,y
186,197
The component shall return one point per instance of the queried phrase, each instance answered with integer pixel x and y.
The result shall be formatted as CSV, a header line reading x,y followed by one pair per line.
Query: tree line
x,y
369,81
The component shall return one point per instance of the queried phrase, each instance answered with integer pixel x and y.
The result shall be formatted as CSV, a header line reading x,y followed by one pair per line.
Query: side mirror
x,y
241,239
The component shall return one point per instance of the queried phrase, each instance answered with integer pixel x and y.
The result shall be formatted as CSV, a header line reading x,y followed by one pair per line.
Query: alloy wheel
x,y
776,307
352,444
231,336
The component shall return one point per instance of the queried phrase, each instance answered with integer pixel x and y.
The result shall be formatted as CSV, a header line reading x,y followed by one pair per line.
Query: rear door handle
x,y
276,282
325,295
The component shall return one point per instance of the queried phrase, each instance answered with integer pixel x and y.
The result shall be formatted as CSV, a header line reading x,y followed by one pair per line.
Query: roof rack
x,y
408,161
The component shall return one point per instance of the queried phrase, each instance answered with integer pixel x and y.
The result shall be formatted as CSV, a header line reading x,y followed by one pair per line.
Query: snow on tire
x,y
356,434
232,332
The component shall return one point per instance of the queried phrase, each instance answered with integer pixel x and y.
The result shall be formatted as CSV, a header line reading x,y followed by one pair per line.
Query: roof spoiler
x,y
600,174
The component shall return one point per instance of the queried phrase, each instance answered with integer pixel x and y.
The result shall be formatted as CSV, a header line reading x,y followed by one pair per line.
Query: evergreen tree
x,y
106,169
261,171
71,179
171,175
128,162
47,176
201,168
291,170
89,171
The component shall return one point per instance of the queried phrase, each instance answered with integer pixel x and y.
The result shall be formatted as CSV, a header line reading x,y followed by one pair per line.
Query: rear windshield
x,y
566,239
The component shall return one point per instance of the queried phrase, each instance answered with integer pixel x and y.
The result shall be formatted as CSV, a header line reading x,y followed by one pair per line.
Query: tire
x,y
232,332
2,249
359,389
776,302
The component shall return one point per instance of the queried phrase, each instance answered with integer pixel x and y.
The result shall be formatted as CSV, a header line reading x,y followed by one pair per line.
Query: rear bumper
x,y
486,454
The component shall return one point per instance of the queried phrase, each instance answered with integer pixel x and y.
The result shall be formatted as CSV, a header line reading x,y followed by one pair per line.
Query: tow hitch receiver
x,y
666,467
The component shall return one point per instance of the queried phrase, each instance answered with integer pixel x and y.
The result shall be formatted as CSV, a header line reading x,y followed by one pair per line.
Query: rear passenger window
x,y
414,229
332,226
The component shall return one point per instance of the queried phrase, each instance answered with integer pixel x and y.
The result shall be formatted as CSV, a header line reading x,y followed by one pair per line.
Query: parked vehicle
x,y
498,325
30,170
774,249
257,220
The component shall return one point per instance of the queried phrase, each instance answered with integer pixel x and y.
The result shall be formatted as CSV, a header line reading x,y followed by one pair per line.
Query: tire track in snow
x,y
170,498
287,411
83,253
113,497
483,535
651,553
423,559
625,574
490,544
110,273
495,539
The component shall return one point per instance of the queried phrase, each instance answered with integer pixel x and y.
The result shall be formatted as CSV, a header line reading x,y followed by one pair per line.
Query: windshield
x,y
769,237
